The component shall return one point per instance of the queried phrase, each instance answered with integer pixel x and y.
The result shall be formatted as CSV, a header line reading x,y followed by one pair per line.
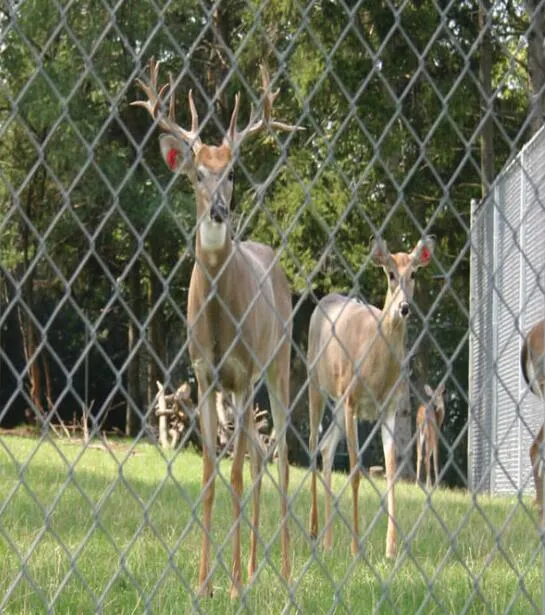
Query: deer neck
x,y
213,242
393,329
392,323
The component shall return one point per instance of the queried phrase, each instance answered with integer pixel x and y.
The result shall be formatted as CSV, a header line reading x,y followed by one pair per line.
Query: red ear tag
x,y
425,254
172,156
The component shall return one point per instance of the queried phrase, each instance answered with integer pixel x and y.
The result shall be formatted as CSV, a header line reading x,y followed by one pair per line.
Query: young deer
x,y
355,356
239,316
429,419
532,359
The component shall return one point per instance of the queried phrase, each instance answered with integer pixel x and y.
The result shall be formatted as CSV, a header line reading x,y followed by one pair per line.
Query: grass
x,y
86,530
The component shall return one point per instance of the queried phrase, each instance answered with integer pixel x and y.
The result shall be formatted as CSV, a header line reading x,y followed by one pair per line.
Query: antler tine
x,y
172,102
234,116
153,107
254,124
194,115
270,96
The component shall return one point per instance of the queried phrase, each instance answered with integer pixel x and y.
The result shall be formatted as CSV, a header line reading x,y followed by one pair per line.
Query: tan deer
x,y
429,420
355,356
532,360
239,316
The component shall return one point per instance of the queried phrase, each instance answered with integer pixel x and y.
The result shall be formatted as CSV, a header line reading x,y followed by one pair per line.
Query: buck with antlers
x,y
355,356
239,315
429,419
532,360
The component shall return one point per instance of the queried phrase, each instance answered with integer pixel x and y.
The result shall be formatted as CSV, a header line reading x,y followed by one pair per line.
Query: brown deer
x,y
239,316
356,355
532,360
429,420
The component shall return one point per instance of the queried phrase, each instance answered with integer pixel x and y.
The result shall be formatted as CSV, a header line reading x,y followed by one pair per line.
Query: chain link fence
x,y
124,331
507,300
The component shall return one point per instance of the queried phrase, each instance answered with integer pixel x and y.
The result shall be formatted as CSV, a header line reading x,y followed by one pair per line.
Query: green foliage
x,y
388,94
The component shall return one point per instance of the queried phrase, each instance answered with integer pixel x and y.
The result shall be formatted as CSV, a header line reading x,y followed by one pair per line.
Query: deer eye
x,y
231,175
413,275
200,175
391,275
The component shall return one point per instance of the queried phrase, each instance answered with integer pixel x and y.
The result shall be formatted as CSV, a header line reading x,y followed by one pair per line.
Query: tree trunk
x,y
26,324
156,372
28,335
48,383
487,106
133,340
536,62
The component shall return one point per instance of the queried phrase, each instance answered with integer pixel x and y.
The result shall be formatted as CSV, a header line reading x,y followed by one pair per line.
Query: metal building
x,y
507,296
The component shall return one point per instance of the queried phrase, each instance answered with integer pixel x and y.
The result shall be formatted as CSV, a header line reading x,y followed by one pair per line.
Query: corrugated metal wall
x,y
507,297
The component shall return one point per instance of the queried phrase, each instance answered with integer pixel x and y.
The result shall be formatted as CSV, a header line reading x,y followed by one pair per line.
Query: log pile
x,y
179,421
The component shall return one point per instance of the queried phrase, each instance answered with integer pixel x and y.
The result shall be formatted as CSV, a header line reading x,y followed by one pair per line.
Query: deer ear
x,y
176,154
379,252
421,255
184,392
428,390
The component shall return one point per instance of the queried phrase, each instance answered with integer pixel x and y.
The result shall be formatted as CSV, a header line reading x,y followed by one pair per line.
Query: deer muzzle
x,y
218,212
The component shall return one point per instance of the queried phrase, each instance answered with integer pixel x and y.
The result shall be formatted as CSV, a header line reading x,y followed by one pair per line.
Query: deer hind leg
x,y
419,445
256,464
429,448
328,446
242,414
316,413
209,430
353,448
278,385
537,470
436,456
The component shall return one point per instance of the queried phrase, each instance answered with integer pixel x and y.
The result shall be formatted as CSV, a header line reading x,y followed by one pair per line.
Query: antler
x,y
256,124
153,106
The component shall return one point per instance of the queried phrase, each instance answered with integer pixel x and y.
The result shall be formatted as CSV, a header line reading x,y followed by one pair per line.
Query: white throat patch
x,y
212,234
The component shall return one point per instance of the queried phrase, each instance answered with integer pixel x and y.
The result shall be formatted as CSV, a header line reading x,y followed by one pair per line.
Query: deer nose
x,y
404,308
218,212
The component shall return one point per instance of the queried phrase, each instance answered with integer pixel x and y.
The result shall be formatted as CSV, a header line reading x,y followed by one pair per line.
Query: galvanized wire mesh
x,y
505,306
408,110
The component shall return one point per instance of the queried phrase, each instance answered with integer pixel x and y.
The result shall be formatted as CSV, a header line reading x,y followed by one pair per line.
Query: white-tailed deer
x,y
429,420
532,360
355,356
239,316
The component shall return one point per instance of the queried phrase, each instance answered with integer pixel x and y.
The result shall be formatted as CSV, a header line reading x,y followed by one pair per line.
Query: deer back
x,y
351,348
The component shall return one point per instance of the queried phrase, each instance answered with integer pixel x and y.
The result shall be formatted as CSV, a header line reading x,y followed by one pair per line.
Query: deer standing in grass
x,y
239,316
429,419
532,360
355,356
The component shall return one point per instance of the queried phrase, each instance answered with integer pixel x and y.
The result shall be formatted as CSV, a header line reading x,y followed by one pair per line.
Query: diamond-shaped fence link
x,y
228,310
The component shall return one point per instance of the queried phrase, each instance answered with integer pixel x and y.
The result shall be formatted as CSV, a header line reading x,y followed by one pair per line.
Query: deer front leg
x,y
256,464
209,428
278,386
388,445
237,485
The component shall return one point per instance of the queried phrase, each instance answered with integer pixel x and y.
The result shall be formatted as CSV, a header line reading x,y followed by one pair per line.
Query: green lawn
x,y
81,528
